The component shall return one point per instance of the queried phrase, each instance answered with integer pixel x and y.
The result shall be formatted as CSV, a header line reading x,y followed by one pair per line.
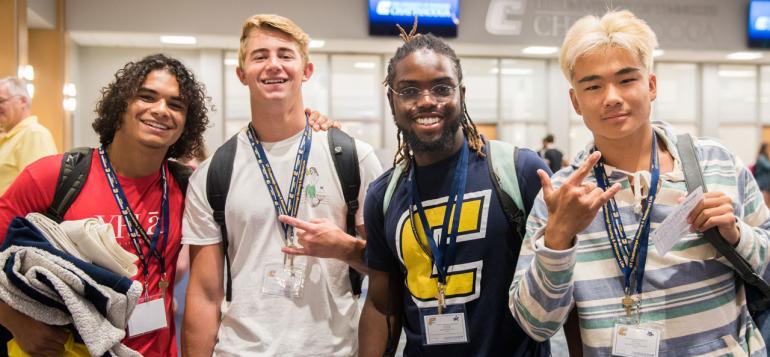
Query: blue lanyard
x,y
289,207
630,255
134,228
443,254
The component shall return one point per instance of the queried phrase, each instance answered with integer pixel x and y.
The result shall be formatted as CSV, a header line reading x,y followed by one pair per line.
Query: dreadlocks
x,y
413,42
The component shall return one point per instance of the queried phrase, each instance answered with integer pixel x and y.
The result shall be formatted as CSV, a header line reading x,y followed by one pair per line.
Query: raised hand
x,y
715,210
573,206
320,122
318,238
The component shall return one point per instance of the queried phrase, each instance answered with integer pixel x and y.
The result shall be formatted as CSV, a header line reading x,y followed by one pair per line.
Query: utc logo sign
x,y
504,17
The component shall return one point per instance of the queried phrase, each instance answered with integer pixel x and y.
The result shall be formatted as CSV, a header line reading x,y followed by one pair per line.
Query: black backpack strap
x,y
75,166
217,186
345,157
694,179
515,216
181,174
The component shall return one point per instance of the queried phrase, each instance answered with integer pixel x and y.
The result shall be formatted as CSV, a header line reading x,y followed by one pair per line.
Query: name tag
x,y
445,329
148,316
635,341
282,280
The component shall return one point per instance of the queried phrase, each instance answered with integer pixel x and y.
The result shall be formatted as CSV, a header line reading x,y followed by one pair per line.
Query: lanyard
x,y
289,207
443,254
134,228
632,254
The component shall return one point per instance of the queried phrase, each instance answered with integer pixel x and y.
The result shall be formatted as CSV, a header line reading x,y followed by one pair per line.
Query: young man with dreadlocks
x,y
444,280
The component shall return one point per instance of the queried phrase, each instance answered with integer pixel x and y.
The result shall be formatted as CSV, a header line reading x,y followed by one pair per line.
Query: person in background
x,y
761,171
22,139
552,156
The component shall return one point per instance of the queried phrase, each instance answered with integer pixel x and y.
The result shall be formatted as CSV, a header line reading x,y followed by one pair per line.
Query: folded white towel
x,y
96,241
100,333
55,235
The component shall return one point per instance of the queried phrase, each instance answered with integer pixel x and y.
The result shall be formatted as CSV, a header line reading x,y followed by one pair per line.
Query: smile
x,y
273,81
428,120
155,125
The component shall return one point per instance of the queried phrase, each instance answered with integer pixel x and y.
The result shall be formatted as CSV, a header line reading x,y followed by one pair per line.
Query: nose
x,y
160,108
612,97
426,99
272,62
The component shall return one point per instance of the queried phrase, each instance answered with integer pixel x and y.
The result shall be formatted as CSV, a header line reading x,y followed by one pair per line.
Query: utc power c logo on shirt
x,y
464,278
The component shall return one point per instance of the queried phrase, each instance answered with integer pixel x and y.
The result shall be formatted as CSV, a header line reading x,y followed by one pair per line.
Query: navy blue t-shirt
x,y
486,253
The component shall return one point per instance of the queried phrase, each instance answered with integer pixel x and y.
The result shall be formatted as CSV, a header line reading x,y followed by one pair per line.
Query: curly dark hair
x,y
116,96
414,41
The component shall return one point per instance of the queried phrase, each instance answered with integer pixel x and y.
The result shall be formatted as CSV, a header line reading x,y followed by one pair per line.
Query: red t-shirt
x,y
33,191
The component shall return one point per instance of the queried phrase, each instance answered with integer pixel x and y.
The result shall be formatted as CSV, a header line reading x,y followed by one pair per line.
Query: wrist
x,y
558,239
354,249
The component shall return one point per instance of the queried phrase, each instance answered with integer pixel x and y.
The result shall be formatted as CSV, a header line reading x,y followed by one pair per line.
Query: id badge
x,y
149,315
283,280
449,327
634,340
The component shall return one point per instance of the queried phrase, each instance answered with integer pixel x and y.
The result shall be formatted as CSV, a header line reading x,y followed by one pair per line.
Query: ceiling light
x,y
658,53
70,90
70,104
178,40
26,72
540,50
316,43
744,56
231,61
364,65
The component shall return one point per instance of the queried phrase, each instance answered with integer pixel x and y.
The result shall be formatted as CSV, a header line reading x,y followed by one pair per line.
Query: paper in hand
x,y
672,228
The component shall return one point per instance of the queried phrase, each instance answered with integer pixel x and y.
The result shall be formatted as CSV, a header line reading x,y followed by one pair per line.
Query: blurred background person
x,y
550,154
762,171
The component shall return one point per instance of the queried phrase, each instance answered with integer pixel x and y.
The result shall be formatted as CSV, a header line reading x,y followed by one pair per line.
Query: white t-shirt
x,y
324,320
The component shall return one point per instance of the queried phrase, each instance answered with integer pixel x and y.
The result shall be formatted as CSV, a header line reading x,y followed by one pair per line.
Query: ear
x,y
390,103
308,72
462,93
653,83
241,75
574,100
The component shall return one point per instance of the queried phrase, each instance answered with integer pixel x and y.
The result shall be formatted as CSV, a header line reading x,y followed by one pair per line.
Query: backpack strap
x,y
506,182
395,175
75,166
181,174
343,150
217,186
694,179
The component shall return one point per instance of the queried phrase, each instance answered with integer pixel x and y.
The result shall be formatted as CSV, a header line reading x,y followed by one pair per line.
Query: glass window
x,y
237,105
523,90
480,79
315,92
678,89
523,134
579,137
764,113
356,91
737,93
742,140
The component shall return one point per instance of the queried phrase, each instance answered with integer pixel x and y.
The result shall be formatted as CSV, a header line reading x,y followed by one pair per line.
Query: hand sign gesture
x,y
573,206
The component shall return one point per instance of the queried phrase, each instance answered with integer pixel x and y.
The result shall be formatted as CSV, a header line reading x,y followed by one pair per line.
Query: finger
x,y
726,221
294,251
295,222
545,183
709,213
589,187
337,124
317,220
582,172
609,194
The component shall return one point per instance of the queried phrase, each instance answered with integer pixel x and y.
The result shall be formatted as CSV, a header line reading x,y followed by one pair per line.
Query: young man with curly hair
x,y
154,110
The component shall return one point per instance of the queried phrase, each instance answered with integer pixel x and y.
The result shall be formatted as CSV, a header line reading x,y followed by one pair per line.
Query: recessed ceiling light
x,y
316,43
179,40
744,56
540,50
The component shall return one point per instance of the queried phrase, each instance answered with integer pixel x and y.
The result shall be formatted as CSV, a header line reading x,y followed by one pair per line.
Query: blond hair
x,y
274,23
616,29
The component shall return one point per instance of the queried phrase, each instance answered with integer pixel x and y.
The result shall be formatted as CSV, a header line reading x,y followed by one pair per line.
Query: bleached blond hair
x,y
616,29
278,23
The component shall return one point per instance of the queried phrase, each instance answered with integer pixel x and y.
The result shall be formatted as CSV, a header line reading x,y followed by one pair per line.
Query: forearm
x,y
373,331
753,245
541,293
9,317
200,327
354,256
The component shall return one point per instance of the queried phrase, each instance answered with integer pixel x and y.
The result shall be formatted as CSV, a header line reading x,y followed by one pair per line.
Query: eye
x,y
146,97
409,92
176,106
443,90
628,80
592,88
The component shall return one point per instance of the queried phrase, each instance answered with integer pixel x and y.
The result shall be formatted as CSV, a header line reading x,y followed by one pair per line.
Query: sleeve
x,y
540,297
198,225
378,256
527,164
369,168
32,191
35,145
753,221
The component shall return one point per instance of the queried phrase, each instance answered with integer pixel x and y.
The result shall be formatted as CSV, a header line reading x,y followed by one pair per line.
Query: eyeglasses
x,y
3,100
439,92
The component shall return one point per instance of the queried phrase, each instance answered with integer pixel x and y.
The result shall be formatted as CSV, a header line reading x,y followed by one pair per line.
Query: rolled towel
x,y
54,234
96,241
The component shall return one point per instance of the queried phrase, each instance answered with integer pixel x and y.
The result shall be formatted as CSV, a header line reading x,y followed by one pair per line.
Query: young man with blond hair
x,y
288,297
589,239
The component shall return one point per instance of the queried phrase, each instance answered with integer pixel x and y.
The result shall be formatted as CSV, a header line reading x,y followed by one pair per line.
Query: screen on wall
x,y
759,23
439,17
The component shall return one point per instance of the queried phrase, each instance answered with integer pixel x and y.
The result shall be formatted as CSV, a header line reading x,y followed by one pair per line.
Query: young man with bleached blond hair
x,y
289,255
589,244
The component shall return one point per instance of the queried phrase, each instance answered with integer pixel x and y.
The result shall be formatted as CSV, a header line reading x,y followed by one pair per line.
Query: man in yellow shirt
x,y
22,139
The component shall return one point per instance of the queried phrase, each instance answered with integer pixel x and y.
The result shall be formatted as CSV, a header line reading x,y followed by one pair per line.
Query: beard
x,y
444,142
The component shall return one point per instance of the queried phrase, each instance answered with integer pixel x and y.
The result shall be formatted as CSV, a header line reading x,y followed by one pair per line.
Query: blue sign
x,y
759,23
439,17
